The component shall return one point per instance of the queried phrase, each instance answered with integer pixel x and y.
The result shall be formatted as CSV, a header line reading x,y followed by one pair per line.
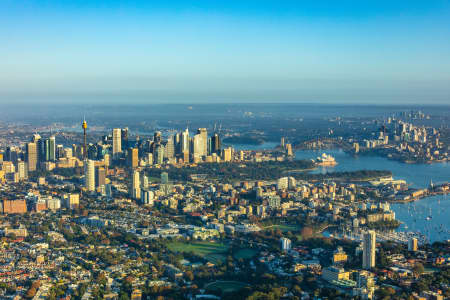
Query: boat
x,y
325,160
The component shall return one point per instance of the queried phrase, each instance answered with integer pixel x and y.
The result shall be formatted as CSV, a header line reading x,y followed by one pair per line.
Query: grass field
x,y
211,251
283,228
245,253
225,286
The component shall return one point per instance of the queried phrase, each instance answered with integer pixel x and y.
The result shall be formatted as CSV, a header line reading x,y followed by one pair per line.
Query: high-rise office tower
x,y
136,185
369,245
100,176
89,173
159,157
117,142
32,156
41,145
46,150
170,148
198,146
124,137
52,148
133,158
59,151
215,144
101,151
227,154
185,141
36,137
177,143
11,154
157,138
204,141
92,152
209,146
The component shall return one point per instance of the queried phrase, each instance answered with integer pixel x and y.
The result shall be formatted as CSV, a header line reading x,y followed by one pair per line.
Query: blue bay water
x,y
413,215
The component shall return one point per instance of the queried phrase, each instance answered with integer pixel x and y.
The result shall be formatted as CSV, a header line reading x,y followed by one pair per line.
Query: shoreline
x,y
422,197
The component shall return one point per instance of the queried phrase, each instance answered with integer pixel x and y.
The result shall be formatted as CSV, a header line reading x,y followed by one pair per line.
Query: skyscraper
x,y
215,144
32,156
157,138
170,148
11,154
89,173
177,143
124,136
197,146
117,142
369,245
159,155
52,148
100,176
92,152
133,158
46,153
136,185
204,141
185,141
22,170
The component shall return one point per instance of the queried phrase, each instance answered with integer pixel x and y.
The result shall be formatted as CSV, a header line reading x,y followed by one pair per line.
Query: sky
x,y
362,52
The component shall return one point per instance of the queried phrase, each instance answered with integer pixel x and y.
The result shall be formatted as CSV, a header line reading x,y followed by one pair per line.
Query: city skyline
x,y
350,52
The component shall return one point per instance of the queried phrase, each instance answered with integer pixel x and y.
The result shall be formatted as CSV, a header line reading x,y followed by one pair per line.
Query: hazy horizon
x,y
330,52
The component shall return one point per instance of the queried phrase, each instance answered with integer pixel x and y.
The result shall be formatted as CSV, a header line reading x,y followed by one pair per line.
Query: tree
x,y
418,269
306,232
189,275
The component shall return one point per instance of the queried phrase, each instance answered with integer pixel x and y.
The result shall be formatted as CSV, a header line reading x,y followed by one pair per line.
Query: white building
x,y
136,185
22,170
369,246
147,197
285,244
286,183
89,172
53,203
117,141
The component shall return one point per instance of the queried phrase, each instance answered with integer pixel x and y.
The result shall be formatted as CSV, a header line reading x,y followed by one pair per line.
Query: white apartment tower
x,y
136,185
369,245
89,173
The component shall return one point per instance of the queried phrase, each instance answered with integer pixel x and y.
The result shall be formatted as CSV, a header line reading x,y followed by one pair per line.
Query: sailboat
x,y
429,216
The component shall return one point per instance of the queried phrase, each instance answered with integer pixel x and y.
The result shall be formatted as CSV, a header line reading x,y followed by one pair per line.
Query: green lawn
x,y
283,227
225,286
212,251
245,253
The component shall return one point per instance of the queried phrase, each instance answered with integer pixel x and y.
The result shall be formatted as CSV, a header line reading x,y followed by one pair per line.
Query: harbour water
x,y
428,216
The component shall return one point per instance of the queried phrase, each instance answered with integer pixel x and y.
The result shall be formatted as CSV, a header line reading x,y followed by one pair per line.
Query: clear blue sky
x,y
225,51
